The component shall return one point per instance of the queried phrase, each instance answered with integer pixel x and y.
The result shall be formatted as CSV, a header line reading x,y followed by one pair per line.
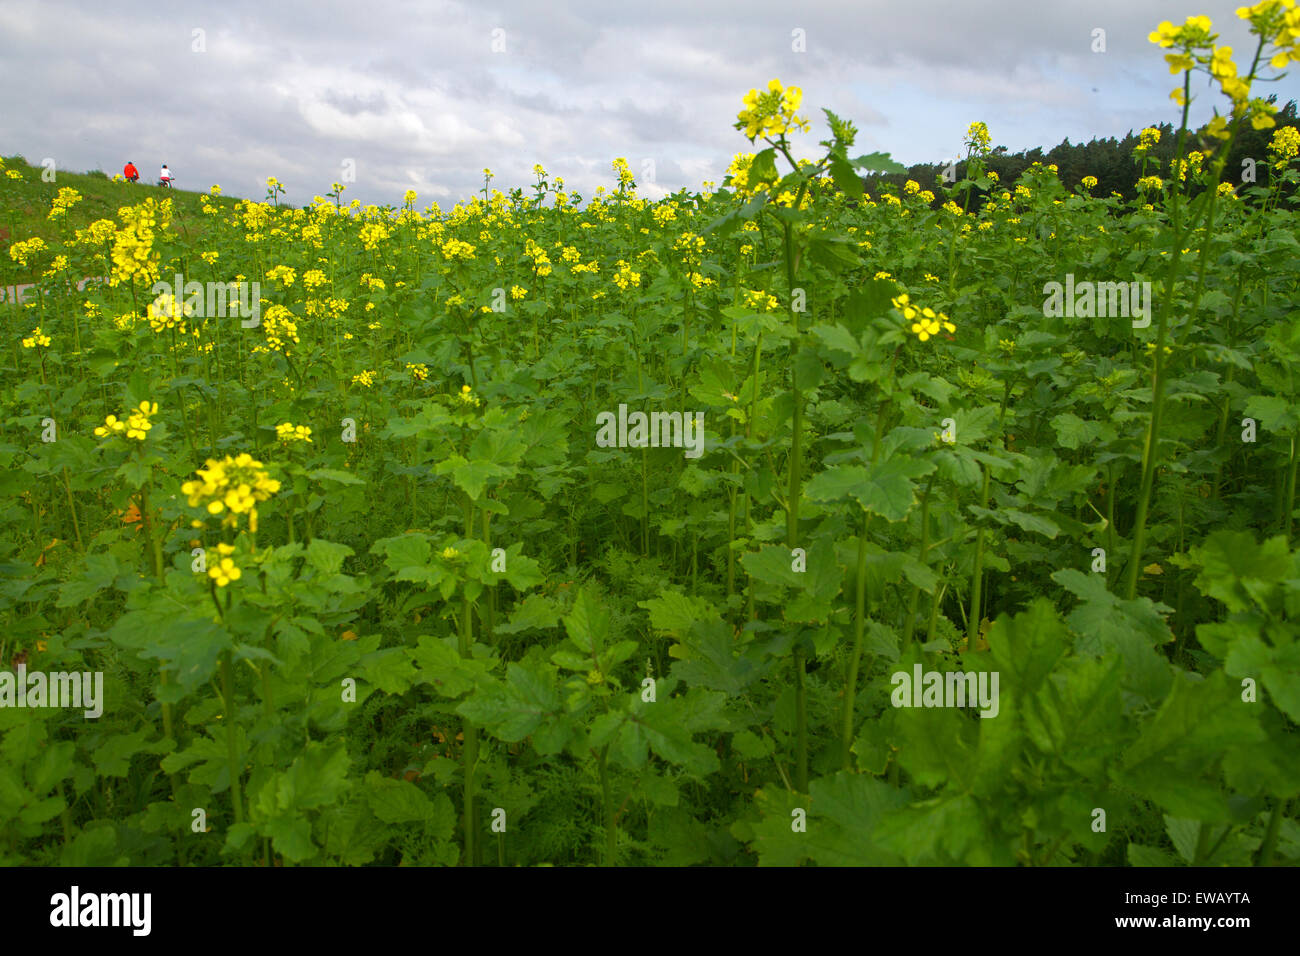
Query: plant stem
x,y
859,625
232,744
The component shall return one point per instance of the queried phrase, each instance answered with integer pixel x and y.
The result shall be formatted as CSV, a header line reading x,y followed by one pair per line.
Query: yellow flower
x,y
454,249
224,572
235,484
21,251
366,378
36,338
977,138
289,433
286,274
771,113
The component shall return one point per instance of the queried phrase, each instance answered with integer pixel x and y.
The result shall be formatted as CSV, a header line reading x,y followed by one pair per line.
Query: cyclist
x,y
130,173
165,177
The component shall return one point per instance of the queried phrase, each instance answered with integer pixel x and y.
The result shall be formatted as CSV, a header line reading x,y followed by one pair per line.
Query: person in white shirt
x,y
166,175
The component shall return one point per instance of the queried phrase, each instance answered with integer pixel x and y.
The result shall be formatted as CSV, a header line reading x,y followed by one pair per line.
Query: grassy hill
x,y
25,207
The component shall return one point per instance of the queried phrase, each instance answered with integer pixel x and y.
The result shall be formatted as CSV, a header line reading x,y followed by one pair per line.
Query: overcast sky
x,y
423,95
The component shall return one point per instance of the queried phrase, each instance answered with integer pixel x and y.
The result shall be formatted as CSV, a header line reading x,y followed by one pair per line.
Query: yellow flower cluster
x,y
97,233
740,170
926,323
234,486
624,171
65,200
419,371
1191,164
165,312
541,261
280,327
36,338
1149,137
625,278
456,249
772,112
288,433
224,570
1278,21
365,377
372,234
977,139
1089,182
1285,145
136,426
761,301
467,397
1195,47
286,274
133,255
21,251
313,278
1150,182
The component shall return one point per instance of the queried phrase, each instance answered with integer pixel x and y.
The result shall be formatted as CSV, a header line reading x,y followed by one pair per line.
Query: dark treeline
x,y
1110,160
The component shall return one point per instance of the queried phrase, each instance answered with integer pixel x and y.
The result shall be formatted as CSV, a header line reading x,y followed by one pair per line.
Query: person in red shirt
x,y
130,172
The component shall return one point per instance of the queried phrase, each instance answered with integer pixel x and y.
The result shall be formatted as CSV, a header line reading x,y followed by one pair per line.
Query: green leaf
x,y
534,613
404,551
390,670
100,572
1238,571
398,801
1073,432
326,556
290,837
513,710
887,489
113,755
878,163
588,623
442,666
676,613
846,177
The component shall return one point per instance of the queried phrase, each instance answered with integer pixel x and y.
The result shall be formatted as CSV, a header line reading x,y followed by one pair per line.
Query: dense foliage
x,y
368,583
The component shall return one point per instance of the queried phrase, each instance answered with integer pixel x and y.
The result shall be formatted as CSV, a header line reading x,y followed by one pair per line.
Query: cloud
x,y
424,95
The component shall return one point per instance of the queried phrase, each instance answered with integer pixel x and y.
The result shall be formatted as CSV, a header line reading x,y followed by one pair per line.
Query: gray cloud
x,y
416,96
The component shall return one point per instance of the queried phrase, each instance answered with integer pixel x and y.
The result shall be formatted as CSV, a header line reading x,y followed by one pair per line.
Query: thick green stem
x,y
977,574
1266,847
232,742
469,731
607,800
859,626
1290,488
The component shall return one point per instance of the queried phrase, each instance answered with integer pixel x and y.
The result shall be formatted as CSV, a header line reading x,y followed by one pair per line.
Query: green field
x,y
778,523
